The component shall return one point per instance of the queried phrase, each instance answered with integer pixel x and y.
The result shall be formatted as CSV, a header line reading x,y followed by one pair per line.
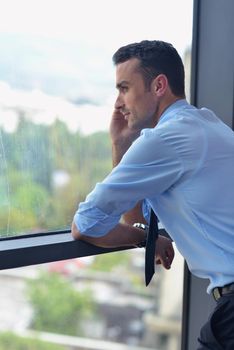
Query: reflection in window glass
x,y
57,89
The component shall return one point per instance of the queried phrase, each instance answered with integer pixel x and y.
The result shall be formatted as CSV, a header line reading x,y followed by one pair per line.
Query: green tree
x,y
28,150
57,306
14,221
64,146
10,341
23,203
95,157
109,262
64,201
30,200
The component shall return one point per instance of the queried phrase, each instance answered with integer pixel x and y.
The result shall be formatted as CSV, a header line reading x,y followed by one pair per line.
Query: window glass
x,y
57,89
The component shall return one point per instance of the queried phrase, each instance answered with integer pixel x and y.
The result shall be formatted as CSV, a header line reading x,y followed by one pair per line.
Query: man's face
x,y
138,104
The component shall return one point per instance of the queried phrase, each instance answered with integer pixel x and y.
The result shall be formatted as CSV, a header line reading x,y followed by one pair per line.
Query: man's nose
x,y
119,103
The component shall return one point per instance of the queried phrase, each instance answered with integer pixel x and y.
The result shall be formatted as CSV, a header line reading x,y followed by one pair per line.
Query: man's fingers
x,y
170,254
164,252
165,259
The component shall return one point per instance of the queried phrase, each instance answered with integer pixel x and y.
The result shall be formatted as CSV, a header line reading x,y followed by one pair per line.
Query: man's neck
x,y
166,103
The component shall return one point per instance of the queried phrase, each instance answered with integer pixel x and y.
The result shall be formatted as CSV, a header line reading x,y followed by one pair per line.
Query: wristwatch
x,y
144,227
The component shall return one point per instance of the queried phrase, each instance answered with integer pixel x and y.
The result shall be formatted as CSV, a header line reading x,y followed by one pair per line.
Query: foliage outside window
x,y
11,341
47,171
57,306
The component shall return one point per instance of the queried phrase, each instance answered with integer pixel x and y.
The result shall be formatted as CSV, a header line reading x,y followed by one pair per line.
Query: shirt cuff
x,y
94,222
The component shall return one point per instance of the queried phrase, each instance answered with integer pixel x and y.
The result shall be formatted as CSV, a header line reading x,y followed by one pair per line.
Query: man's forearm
x,y
121,235
118,151
134,215
126,235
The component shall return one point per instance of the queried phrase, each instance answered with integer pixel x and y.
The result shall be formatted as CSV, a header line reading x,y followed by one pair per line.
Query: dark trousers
x,y
218,332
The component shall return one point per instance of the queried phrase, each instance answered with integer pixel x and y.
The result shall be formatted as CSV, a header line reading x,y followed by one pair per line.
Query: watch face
x,y
144,227
139,225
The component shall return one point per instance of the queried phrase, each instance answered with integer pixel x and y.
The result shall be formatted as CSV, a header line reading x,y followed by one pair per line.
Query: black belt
x,y
218,292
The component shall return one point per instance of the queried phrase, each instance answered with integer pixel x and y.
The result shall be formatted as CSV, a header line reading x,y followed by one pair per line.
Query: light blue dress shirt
x,y
184,169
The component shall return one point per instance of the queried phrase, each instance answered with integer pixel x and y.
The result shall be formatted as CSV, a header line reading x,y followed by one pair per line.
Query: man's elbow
x,y
75,232
78,236
97,241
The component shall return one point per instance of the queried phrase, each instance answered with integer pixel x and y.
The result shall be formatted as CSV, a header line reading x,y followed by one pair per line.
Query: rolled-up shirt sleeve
x,y
148,168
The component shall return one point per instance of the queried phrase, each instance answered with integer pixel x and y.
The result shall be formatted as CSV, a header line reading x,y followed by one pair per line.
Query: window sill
x,y
44,248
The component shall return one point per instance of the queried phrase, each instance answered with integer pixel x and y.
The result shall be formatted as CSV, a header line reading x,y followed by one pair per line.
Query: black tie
x,y
150,248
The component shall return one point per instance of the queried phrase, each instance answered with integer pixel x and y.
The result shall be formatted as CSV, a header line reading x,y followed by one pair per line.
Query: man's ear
x,y
160,85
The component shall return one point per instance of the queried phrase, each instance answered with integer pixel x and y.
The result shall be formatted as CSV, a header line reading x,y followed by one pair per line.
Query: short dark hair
x,y
156,57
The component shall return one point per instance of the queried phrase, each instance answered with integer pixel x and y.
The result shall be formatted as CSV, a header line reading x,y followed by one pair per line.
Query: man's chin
x,y
131,126
134,128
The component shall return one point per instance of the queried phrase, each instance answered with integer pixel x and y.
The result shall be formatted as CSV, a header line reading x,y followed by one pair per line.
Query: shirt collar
x,y
172,109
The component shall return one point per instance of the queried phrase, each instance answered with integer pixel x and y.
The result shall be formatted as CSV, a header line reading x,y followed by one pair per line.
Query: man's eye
x,y
124,88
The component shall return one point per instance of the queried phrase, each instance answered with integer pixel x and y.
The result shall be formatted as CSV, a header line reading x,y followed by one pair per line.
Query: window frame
x,y
40,248
33,249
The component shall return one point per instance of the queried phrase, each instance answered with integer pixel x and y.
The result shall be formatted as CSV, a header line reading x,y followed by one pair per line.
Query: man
x,y
177,160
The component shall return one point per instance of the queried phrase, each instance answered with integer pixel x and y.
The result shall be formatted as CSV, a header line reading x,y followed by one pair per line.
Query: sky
x,y
71,45
100,21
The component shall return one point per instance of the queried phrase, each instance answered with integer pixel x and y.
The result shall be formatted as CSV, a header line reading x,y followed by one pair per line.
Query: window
x,y
57,88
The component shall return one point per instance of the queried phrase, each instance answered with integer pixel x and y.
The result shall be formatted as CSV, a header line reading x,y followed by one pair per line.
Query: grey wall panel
x,y
212,86
200,306
215,57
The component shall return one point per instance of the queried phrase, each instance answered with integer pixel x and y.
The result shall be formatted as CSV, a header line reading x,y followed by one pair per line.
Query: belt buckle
x,y
216,293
